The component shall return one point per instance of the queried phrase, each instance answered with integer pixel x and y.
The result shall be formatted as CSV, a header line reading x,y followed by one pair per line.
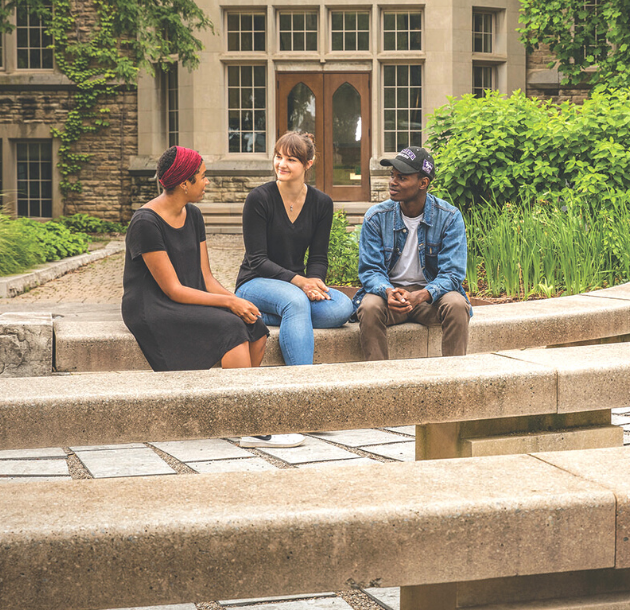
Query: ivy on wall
x,y
589,38
105,48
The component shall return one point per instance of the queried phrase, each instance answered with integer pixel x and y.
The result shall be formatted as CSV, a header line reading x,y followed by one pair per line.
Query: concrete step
x,y
148,540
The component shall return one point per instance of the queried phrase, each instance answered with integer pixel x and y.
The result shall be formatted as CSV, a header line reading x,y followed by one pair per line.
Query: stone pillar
x,y
26,344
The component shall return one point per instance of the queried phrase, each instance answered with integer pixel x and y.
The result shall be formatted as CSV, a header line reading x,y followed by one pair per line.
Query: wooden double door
x,y
335,108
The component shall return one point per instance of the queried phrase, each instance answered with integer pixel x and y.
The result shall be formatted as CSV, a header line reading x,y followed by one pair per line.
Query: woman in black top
x,y
182,318
281,221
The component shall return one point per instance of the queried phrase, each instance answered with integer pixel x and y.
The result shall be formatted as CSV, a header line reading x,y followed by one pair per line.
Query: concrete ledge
x,y
26,344
97,408
102,346
240,535
13,285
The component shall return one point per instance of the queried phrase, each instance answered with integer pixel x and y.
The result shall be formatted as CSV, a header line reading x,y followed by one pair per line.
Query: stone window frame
x,y
486,34
414,136
238,111
292,31
345,33
385,12
245,34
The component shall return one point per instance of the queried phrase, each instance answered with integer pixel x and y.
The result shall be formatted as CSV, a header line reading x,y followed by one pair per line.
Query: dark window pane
x,y
247,98
259,41
364,21
402,140
259,23
364,41
389,21
285,41
259,76
259,97
403,41
247,142
33,168
298,41
389,76
246,23
22,207
22,152
22,58
233,41
47,208
402,97
389,41
389,119
402,73
46,171
35,59
402,119
285,21
233,22
350,21
22,184
415,138
337,20
22,37
47,58
34,36
233,120
246,42
298,21
22,16
415,21
402,21
248,121
260,122
311,41
234,145
311,21
389,98
390,141
415,73
415,41
246,76
33,208
33,190
337,41
233,77
33,151
351,41
233,98
261,142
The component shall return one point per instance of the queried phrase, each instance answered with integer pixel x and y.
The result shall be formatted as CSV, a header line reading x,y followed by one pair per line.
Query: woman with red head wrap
x,y
181,316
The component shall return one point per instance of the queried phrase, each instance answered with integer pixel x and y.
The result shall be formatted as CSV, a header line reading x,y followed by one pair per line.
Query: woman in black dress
x,y
182,318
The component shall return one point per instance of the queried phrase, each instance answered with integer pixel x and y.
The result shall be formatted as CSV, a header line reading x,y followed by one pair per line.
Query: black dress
x,y
176,336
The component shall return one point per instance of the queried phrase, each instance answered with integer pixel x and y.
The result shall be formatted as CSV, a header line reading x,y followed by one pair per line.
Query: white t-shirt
x,y
407,269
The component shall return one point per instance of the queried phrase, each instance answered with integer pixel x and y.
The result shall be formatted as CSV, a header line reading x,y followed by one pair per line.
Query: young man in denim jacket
x,y
412,261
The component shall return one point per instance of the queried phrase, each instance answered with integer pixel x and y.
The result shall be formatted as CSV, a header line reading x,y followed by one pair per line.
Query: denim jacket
x,y
441,247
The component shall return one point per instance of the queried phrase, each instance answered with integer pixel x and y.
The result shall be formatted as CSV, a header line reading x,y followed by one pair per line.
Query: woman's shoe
x,y
273,440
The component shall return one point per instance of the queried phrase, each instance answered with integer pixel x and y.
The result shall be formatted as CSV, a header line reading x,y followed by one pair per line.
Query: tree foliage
x,y
590,39
125,37
513,149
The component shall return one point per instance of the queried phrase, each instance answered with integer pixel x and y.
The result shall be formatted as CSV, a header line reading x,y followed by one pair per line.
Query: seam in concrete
x,y
13,285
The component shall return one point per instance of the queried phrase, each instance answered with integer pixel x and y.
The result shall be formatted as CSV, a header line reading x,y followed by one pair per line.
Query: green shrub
x,y
343,253
54,240
515,149
18,249
84,223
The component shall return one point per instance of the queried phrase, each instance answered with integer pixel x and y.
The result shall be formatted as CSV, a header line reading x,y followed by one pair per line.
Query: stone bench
x,y
104,346
513,392
445,530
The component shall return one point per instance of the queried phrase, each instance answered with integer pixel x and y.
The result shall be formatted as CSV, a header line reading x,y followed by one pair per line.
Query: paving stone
x,y
28,468
320,603
358,438
410,430
102,447
169,607
32,454
255,464
388,597
31,479
359,461
202,450
313,450
283,598
107,463
404,452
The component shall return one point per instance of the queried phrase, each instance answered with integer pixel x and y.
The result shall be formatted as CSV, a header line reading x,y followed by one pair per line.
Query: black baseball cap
x,y
413,160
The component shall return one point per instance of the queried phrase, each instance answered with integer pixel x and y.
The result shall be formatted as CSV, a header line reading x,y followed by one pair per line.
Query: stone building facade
x,y
362,76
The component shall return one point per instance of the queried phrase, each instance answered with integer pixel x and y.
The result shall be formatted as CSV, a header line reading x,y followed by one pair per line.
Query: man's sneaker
x,y
273,440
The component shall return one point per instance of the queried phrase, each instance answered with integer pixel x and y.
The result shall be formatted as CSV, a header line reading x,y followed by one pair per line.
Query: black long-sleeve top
x,y
275,246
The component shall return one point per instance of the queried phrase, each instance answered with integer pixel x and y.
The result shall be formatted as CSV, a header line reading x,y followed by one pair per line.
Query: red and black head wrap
x,y
184,167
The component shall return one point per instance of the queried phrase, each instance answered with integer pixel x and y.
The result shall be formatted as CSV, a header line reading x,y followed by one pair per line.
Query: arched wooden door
x,y
335,107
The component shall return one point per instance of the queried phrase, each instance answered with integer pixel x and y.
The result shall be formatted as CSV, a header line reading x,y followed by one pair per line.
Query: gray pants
x,y
451,312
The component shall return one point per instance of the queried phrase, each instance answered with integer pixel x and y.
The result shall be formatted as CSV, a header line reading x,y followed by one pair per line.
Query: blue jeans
x,y
284,304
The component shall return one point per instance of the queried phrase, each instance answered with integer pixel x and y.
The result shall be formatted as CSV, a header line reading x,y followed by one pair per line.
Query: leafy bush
x,y
18,251
84,223
515,149
343,253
